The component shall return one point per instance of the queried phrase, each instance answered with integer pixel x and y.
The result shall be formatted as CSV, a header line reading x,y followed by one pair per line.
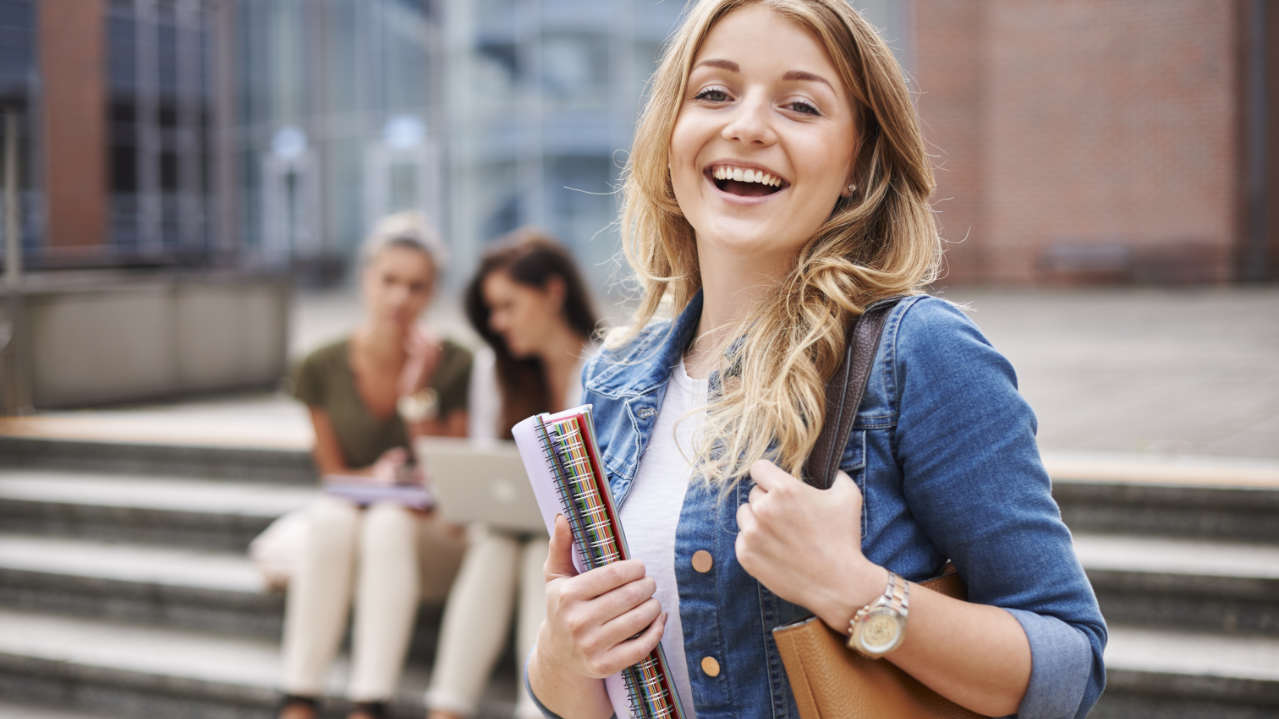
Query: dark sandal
x,y
375,710
298,700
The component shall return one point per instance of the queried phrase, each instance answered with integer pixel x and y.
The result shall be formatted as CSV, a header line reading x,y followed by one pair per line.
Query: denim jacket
x,y
943,450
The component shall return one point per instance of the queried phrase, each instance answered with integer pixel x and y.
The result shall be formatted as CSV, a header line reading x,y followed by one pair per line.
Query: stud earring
x,y
852,187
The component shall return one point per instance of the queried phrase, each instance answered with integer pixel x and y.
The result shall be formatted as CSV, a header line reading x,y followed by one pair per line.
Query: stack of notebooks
x,y
564,467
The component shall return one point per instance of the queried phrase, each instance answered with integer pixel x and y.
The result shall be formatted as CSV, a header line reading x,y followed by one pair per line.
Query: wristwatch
x,y
420,406
878,628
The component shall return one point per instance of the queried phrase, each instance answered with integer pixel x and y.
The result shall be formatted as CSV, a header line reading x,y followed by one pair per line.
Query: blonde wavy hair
x,y
881,242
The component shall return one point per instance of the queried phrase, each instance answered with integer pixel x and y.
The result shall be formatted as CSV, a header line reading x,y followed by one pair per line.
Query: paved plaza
x,y
1178,375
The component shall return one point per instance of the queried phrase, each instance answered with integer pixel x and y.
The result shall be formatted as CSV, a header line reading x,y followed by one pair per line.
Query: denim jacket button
x,y
702,561
710,667
645,412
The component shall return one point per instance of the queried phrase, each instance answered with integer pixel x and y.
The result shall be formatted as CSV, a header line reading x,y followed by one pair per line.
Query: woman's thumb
x,y
559,557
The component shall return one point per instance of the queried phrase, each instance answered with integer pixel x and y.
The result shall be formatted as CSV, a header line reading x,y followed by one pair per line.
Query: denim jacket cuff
x,y
1060,663
538,702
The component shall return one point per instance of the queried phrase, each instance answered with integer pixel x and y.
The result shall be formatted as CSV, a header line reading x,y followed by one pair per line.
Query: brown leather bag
x,y
829,680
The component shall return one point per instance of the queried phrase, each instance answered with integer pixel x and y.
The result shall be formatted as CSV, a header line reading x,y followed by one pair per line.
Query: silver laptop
x,y
480,481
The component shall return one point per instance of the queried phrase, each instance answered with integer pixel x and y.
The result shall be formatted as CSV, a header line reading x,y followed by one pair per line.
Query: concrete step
x,y
10,710
284,464
167,510
1189,675
155,586
1218,586
1202,499
150,585
127,671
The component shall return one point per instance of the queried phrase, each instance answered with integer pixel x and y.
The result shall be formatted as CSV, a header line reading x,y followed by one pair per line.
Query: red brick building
x,y
1103,140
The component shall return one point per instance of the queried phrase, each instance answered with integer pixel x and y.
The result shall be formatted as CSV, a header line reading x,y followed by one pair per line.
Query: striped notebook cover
x,y
564,467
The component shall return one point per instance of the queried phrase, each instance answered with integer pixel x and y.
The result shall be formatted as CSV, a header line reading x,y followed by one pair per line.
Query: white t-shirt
x,y
651,512
484,403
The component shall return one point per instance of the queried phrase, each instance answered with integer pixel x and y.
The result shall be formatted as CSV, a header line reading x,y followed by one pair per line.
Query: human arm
x,y
794,539
327,453
483,400
443,371
597,623
968,470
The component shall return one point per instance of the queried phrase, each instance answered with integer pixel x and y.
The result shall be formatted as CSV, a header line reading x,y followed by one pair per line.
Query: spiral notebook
x,y
564,468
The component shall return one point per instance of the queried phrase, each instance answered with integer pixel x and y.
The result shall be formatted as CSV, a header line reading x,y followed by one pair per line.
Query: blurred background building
x,y
243,133
1096,141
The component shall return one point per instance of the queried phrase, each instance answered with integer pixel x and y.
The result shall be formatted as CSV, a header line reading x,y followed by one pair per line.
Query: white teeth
x,y
724,172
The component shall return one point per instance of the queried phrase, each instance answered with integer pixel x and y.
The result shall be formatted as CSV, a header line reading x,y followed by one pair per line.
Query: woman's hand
x,y
804,544
422,356
390,467
599,622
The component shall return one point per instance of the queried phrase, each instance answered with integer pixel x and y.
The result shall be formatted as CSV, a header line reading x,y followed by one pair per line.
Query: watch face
x,y
881,631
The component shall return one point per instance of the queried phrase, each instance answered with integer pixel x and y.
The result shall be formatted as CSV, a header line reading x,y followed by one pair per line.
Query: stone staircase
x,y
1186,567
125,592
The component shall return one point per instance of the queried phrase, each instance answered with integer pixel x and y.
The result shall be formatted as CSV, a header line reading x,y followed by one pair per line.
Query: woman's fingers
x,y
602,580
628,624
769,477
625,598
559,557
632,650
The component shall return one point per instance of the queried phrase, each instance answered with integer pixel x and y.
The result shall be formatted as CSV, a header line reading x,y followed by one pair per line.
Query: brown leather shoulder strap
x,y
844,394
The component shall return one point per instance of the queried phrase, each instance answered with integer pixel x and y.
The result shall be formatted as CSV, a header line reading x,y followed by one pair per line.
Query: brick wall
x,y
1090,140
73,121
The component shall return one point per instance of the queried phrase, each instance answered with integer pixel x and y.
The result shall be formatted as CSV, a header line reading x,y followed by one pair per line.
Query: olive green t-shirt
x,y
324,380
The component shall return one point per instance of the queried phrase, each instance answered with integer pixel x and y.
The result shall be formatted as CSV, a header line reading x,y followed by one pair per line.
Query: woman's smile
x,y
764,142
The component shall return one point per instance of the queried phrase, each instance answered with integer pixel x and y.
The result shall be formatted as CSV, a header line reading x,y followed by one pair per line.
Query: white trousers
x,y
477,619
386,557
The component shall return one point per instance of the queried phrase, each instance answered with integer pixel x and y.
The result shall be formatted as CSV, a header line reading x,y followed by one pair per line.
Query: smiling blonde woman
x,y
778,185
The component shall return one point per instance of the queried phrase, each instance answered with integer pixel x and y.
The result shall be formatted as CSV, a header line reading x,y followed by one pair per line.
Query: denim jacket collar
x,y
665,347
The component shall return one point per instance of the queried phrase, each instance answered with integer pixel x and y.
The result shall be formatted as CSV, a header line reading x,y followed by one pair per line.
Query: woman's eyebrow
x,y
804,75
723,64
801,75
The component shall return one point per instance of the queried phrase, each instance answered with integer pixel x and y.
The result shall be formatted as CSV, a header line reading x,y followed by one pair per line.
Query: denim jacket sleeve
x,y
973,478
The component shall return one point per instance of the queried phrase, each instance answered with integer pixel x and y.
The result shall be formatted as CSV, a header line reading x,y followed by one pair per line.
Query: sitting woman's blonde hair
x,y
880,242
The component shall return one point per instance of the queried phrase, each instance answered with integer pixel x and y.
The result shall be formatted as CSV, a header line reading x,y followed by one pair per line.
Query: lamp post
x,y
16,392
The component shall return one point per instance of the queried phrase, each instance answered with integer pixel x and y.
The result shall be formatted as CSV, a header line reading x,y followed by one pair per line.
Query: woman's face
x,y
397,286
764,142
521,314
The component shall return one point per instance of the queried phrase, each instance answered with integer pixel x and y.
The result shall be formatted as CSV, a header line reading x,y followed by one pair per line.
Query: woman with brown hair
x,y
778,186
528,302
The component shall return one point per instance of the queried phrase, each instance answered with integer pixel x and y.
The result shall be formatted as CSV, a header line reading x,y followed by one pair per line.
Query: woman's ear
x,y
555,291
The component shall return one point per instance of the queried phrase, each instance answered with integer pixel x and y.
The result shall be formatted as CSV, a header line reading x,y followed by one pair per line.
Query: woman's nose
x,y
750,122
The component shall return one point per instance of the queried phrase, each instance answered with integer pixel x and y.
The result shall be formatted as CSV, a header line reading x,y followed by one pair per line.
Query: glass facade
x,y
20,95
158,111
333,122
275,133
542,97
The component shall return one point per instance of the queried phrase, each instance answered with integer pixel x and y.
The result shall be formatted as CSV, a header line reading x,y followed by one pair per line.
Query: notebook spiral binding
x,y
650,691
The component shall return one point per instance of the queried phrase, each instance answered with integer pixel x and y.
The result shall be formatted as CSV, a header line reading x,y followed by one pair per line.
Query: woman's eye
x,y
803,106
712,94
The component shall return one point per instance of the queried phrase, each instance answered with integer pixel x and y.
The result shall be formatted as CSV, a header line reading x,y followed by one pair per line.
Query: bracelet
x,y
420,406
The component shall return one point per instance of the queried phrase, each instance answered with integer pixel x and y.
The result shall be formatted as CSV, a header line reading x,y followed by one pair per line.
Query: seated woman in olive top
x,y
368,395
